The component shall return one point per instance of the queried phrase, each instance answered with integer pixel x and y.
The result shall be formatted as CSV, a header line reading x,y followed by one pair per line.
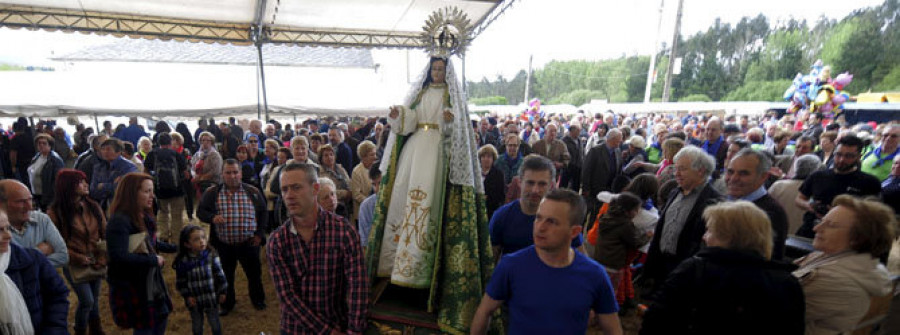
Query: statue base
x,y
402,311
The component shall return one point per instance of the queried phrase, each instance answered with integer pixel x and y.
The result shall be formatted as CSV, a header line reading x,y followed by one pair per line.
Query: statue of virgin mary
x,y
430,228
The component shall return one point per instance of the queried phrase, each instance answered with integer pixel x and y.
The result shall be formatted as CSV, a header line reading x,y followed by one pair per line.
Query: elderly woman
x,y
269,163
33,298
731,286
138,295
785,190
781,144
492,179
271,188
326,197
42,171
82,224
843,274
300,151
360,184
635,155
338,175
145,145
206,165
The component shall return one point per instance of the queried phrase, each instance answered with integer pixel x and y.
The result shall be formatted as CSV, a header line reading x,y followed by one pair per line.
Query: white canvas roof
x,y
382,23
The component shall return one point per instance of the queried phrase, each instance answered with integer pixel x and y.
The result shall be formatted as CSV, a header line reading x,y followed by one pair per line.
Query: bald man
x,y
31,229
715,144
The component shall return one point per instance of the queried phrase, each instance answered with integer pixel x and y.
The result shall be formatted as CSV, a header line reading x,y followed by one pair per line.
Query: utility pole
x,y
652,69
528,79
668,86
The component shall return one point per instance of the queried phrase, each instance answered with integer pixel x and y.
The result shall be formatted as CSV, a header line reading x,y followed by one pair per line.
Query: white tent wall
x,y
172,89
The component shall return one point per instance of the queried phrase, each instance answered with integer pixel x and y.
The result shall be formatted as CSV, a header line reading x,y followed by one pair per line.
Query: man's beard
x,y
845,168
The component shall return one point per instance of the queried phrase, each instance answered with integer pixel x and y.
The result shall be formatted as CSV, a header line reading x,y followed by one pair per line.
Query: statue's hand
x,y
395,111
448,115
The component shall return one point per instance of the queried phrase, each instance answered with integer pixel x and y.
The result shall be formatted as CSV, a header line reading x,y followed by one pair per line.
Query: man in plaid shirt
x,y
237,214
316,262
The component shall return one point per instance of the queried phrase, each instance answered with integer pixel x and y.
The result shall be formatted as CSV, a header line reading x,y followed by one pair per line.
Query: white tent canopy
x,y
382,23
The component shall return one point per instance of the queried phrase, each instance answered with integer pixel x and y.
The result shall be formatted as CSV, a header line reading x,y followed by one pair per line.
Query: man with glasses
x,y
878,162
821,187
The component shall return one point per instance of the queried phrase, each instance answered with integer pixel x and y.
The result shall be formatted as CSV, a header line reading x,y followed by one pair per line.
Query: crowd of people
x,y
693,209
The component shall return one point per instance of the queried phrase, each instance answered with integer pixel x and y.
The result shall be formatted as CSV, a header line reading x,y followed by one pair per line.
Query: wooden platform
x,y
402,311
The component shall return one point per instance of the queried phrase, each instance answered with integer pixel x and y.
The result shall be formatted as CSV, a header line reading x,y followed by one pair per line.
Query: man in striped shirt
x,y
316,262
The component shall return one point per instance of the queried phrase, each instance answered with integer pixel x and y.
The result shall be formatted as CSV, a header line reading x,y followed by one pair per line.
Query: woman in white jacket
x,y
844,273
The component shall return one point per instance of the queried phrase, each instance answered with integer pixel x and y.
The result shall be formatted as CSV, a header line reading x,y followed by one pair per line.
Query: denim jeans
x,y
88,299
212,314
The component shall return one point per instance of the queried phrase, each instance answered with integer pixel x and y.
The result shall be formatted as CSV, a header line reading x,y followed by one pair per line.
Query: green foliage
x,y
492,100
695,98
747,61
891,82
10,67
759,91
577,97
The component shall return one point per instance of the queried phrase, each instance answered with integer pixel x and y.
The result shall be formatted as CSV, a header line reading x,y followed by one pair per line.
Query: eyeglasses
x,y
892,135
253,141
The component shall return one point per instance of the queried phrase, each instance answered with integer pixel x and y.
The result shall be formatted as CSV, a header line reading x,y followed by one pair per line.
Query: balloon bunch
x,y
817,92
534,111
831,96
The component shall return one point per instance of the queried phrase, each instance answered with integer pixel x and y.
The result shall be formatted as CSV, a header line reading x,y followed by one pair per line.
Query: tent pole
x,y
97,123
262,78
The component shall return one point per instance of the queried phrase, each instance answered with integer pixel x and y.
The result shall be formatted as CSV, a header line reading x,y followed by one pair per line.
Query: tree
x,y
494,100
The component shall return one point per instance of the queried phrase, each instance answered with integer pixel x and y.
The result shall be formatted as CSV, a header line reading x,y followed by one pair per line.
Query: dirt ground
x,y
244,319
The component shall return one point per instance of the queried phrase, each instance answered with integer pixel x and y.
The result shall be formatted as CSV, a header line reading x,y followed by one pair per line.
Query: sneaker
x,y
260,306
224,311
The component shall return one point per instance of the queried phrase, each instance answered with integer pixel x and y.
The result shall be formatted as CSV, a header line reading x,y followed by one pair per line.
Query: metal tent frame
x,y
278,22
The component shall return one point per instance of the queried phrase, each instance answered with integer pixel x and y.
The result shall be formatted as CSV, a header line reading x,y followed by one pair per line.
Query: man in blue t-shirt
x,y
511,225
549,288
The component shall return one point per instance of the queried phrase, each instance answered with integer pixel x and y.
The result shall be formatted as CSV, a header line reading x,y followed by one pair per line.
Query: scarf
x,y
665,163
14,316
881,160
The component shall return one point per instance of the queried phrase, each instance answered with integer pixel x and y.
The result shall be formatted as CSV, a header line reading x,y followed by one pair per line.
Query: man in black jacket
x,y
236,213
571,177
679,231
601,166
85,162
745,177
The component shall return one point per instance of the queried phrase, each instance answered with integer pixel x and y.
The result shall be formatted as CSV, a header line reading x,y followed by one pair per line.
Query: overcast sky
x,y
547,29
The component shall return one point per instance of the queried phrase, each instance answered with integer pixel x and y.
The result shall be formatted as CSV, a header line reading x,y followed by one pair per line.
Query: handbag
x,y
87,273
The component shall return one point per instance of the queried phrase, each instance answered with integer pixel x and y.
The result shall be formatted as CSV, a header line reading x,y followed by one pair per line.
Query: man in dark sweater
x,y
745,178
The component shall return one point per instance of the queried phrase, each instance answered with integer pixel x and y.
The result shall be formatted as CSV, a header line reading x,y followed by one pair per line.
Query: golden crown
x,y
446,32
417,194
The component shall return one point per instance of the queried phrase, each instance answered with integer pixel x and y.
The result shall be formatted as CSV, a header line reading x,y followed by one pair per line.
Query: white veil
x,y
465,170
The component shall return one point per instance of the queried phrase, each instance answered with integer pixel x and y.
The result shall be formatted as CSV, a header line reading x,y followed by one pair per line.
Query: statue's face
x,y
438,71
